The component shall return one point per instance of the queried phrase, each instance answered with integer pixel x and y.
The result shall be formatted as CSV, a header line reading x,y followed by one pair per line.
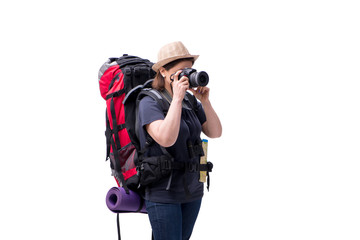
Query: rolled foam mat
x,y
119,201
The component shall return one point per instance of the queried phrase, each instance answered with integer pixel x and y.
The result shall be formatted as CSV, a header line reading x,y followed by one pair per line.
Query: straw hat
x,y
171,52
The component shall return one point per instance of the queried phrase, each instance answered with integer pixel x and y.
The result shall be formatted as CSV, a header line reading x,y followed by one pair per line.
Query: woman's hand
x,y
212,127
201,93
179,86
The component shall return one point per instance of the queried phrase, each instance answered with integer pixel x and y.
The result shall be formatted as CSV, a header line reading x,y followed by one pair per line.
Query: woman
x,y
173,209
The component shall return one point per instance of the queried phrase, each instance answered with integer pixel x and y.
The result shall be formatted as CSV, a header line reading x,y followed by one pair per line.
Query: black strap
x,y
208,181
115,126
170,180
194,150
158,97
131,60
118,226
187,104
108,135
192,101
121,126
115,94
117,169
206,167
113,80
167,163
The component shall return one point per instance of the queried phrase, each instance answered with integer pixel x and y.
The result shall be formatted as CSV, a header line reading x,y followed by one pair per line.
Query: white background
x,y
284,79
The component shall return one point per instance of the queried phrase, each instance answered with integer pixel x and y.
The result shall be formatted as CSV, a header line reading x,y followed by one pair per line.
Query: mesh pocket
x,y
127,155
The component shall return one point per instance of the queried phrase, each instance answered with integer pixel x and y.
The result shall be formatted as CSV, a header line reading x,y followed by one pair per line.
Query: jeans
x,y
171,221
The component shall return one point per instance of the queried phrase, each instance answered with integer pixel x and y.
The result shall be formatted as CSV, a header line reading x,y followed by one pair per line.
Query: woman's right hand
x,y
165,132
179,86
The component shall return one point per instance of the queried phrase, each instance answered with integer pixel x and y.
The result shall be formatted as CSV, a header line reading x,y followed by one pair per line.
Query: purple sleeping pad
x,y
119,202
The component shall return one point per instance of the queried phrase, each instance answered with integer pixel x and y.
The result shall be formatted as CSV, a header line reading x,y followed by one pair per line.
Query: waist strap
x,y
189,167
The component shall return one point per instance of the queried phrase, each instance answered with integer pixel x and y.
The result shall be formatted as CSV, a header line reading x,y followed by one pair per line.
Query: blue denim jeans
x,y
171,221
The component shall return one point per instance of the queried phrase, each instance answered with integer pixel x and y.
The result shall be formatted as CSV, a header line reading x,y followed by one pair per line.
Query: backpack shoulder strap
x,y
192,101
157,96
164,99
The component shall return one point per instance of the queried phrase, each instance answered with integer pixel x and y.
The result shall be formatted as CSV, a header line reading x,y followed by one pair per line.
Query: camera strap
x,y
186,103
172,80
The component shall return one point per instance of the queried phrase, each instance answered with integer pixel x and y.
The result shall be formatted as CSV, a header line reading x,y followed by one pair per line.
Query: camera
x,y
196,79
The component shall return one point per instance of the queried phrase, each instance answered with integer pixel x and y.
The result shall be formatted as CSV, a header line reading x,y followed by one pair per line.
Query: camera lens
x,y
199,79
203,78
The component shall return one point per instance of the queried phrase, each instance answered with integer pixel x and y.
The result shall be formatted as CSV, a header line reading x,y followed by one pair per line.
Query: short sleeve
x,y
149,111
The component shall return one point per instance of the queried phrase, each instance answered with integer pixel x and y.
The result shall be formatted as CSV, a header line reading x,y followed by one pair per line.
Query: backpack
x,y
117,77
123,83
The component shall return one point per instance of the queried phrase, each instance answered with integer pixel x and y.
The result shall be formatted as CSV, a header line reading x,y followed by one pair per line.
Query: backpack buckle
x,y
209,166
193,167
166,164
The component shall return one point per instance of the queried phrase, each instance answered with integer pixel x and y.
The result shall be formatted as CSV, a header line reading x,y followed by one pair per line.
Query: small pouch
x,y
153,169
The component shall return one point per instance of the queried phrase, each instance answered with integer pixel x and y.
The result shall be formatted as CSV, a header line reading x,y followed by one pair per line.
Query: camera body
x,y
196,79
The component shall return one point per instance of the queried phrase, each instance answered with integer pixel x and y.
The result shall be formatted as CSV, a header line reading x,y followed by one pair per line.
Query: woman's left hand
x,y
212,127
201,93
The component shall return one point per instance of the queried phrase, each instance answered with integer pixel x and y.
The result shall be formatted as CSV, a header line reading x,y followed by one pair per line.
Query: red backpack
x,y
117,77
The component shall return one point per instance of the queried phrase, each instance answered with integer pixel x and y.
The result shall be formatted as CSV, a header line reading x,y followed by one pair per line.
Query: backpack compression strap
x,y
109,133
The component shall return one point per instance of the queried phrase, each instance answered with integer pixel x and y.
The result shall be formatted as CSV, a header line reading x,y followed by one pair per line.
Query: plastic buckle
x,y
209,166
193,167
166,165
127,71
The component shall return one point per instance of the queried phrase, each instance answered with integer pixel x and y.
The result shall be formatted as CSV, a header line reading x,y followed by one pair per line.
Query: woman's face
x,y
181,65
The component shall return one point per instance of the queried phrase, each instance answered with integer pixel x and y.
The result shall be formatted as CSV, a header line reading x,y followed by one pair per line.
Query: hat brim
x,y
165,61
